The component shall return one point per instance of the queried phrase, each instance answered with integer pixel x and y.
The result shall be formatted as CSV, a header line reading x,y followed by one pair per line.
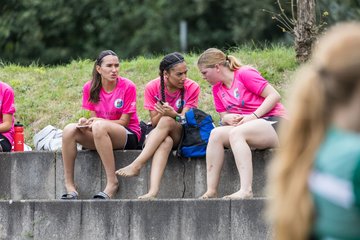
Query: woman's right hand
x,y
232,119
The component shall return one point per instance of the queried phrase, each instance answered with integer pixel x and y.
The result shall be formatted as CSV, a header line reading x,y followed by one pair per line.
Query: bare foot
x,y
208,195
240,195
128,171
148,196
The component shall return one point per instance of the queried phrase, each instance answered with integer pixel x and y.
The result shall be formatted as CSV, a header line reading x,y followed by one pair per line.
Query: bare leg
x,y
167,126
71,136
259,134
158,165
219,138
109,136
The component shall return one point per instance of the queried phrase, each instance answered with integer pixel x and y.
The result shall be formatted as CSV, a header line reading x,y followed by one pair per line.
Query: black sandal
x,y
102,195
70,196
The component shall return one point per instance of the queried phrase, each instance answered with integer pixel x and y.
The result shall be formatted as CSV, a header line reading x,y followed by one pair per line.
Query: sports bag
x,y
49,138
196,133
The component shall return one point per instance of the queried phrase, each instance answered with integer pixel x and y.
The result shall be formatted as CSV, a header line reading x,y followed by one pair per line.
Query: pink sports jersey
x,y
7,106
191,95
122,100
244,96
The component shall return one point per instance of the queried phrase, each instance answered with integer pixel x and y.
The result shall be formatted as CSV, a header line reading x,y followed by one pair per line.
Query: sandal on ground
x,y
102,195
70,196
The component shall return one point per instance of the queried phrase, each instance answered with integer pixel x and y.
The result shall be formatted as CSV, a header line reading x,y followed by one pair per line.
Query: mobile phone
x,y
82,126
157,99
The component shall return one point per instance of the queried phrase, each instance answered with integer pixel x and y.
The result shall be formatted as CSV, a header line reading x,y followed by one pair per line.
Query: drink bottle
x,y
19,137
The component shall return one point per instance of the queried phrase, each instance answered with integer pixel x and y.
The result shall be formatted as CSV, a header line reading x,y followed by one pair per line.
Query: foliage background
x,y
58,31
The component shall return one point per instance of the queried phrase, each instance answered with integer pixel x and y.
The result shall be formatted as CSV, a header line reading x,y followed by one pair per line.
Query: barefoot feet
x,y
148,196
208,195
128,171
240,195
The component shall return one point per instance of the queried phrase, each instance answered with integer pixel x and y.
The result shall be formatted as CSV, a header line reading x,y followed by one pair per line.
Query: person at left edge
x,y
7,110
114,124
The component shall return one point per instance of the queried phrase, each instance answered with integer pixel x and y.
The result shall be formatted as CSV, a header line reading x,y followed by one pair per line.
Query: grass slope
x,y
52,95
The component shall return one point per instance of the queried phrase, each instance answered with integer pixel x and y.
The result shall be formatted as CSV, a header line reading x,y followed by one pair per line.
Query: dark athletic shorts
x,y
275,121
5,144
132,140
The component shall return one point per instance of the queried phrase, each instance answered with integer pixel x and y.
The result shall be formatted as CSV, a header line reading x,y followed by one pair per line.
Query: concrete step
x,y
39,175
134,219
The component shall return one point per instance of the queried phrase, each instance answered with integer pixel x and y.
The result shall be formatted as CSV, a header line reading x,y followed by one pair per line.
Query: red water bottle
x,y
19,137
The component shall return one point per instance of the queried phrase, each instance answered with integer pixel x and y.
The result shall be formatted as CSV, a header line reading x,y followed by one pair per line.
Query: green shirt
x,y
335,185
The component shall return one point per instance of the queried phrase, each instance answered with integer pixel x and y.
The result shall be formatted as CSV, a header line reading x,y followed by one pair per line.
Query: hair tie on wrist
x,y
256,115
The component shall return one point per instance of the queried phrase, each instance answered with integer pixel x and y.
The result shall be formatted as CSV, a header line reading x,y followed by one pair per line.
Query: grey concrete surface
x,y
134,219
39,175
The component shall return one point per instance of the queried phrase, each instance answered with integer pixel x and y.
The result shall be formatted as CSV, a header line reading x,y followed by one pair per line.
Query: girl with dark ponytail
x,y
167,98
111,100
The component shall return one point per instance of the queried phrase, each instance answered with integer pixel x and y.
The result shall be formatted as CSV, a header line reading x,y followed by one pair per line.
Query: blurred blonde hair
x,y
213,56
328,81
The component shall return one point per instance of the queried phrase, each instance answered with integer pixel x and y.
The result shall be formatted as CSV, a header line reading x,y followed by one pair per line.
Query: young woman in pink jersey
x,y
114,124
166,97
7,110
249,109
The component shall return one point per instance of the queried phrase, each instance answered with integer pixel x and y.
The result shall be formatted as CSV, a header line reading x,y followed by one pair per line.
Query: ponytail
x,y
288,173
213,56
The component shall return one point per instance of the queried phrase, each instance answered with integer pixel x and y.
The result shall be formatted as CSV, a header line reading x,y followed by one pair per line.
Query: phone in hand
x,y
82,126
157,99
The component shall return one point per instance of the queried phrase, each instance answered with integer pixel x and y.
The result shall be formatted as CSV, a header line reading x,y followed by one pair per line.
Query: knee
x,y
215,135
69,130
98,128
237,134
166,122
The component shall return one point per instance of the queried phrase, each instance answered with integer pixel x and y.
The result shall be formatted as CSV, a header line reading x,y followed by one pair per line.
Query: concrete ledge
x,y
133,219
39,175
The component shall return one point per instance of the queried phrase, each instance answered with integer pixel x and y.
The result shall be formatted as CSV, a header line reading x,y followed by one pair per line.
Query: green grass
x,y
52,95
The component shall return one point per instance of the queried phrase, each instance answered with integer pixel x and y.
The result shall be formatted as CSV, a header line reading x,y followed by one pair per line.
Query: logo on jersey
x,y
178,103
236,93
119,103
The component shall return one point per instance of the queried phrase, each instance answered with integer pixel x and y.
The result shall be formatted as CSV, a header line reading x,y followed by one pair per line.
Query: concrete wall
x,y
133,219
39,175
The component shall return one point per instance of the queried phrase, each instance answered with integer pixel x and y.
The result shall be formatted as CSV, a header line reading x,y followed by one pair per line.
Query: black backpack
x,y
145,130
196,133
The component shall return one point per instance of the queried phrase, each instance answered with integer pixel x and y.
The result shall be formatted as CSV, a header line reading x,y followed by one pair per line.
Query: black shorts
x,y
132,140
275,121
5,144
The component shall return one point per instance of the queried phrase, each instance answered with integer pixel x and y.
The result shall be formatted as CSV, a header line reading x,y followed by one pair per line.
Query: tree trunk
x,y
305,29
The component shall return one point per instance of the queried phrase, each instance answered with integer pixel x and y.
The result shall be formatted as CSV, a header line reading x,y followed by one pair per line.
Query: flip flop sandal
x,y
70,196
102,195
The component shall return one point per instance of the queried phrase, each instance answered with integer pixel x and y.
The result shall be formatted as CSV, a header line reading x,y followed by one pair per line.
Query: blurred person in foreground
x,y
314,179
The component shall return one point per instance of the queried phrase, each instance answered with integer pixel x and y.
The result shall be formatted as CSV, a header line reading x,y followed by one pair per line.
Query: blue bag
x,y
196,133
